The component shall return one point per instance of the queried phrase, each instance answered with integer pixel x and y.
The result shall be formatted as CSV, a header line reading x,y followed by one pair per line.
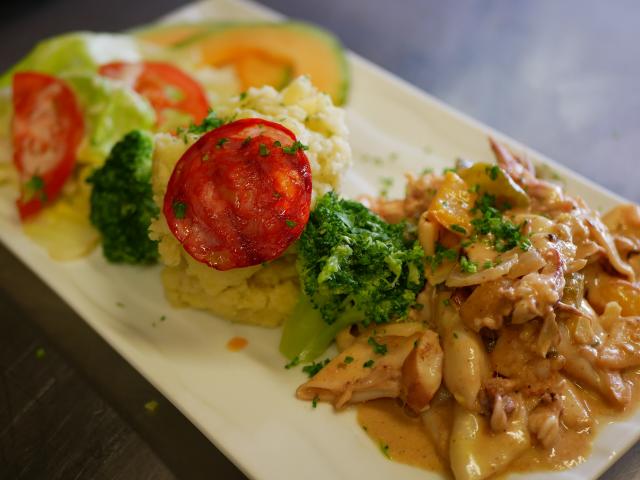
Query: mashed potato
x,y
260,295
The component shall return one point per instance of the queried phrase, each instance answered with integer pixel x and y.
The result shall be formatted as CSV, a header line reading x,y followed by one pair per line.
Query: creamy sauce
x,y
387,424
572,448
237,343
404,439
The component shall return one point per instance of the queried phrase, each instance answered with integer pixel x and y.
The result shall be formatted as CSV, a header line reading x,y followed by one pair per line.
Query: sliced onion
x,y
458,278
528,262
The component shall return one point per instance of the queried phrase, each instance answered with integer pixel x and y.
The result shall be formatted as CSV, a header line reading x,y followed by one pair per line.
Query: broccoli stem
x,y
306,335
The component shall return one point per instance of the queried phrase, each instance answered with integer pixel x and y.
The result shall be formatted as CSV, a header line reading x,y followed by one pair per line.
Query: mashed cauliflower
x,y
260,295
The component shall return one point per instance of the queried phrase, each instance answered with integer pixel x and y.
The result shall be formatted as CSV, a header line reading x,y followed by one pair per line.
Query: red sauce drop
x,y
237,343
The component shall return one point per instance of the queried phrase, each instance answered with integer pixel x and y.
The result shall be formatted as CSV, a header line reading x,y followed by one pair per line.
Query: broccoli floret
x,y
354,268
122,205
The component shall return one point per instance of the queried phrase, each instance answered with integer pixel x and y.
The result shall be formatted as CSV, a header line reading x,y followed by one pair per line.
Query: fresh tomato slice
x,y
47,129
240,195
166,87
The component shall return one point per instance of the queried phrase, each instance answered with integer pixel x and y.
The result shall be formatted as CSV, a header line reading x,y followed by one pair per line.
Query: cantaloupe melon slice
x,y
170,35
268,53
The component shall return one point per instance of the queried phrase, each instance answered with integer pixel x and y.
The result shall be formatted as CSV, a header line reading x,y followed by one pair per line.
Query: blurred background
x,y
561,77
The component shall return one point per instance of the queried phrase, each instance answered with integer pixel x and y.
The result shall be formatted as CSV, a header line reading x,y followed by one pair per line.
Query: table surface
x,y
561,77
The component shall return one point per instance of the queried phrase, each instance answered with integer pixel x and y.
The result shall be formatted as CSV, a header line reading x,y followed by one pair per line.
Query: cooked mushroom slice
x,y
604,239
359,374
422,372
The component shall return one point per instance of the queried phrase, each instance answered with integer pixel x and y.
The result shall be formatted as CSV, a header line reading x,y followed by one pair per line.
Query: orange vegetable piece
x,y
451,207
606,288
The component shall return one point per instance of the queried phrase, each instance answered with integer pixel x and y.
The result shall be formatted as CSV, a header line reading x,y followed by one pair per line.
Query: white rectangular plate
x,y
244,402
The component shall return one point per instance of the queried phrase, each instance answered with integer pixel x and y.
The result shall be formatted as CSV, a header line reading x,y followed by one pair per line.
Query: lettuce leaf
x,y
76,52
111,110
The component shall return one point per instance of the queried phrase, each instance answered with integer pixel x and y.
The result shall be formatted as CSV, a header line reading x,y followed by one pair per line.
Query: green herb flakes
x,y
384,448
467,265
294,147
459,229
492,172
313,368
179,209
34,188
210,122
151,406
378,348
386,183
503,234
294,361
441,254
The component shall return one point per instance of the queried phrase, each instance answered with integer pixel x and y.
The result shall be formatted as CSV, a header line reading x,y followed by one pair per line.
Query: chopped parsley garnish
x,y
277,144
426,171
487,264
220,143
210,122
386,183
290,223
368,364
277,195
179,209
294,147
243,95
457,228
348,359
449,169
505,234
467,265
455,335
379,348
493,172
294,361
313,368
35,187
246,141
263,150
441,255
446,302
151,406
40,353
384,448
314,402
475,188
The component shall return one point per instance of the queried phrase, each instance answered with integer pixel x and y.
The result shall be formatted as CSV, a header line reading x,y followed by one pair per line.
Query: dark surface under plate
x,y
562,77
